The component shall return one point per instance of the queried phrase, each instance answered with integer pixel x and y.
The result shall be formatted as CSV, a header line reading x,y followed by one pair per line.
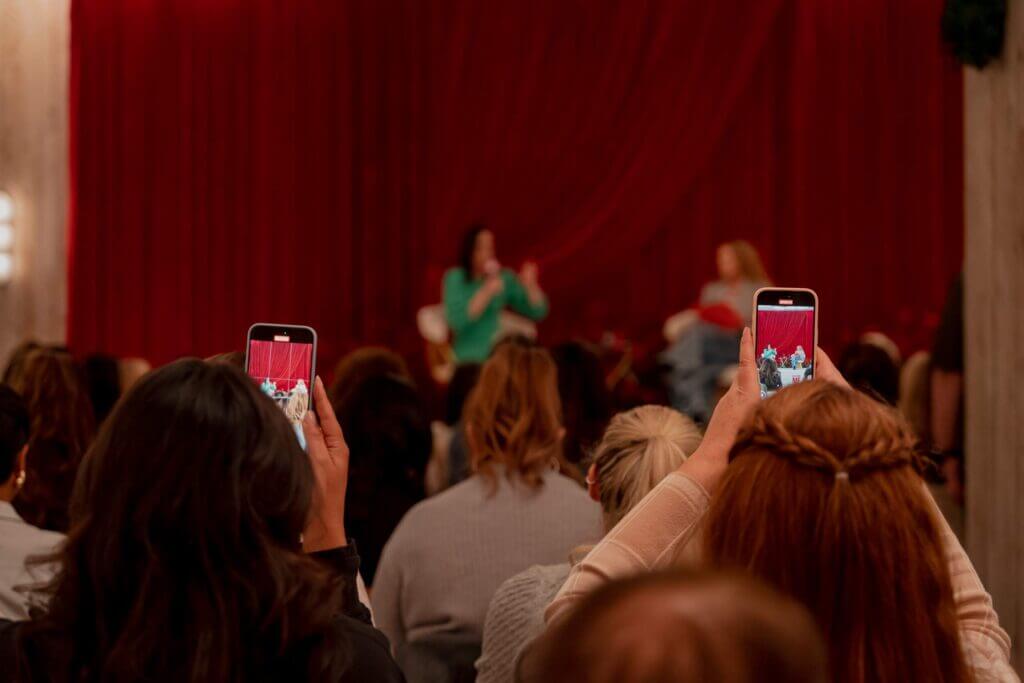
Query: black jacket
x,y
371,653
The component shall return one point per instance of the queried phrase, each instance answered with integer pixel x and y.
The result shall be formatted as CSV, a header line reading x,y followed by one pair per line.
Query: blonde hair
x,y
749,261
514,416
640,447
295,408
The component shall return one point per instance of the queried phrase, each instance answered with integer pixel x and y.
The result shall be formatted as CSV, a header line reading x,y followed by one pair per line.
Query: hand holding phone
x,y
785,336
329,455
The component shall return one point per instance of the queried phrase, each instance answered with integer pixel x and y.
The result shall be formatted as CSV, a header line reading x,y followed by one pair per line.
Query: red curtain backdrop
x,y
315,162
785,330
281,362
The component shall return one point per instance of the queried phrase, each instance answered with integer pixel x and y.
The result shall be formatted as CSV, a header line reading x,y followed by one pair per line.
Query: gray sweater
x,y
450,553
515,618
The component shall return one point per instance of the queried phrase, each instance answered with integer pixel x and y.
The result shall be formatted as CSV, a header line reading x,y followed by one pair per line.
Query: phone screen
x,y
281,361
785,339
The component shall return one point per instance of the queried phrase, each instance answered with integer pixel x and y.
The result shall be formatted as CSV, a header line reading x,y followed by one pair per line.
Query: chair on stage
x,y
433,327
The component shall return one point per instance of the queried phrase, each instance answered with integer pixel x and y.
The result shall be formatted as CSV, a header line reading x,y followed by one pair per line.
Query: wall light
x,y
6,238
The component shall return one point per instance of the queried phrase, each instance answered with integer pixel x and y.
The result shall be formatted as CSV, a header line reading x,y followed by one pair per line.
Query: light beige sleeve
x,y
648,537
985,644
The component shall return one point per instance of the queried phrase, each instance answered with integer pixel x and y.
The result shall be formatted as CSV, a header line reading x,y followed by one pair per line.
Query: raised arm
x,y
650,536
985,643
524,293
655,531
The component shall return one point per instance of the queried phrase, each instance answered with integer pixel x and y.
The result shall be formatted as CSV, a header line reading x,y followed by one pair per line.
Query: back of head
x,y
640,447
14,430
389,440
822,499
513,416
57,397
682,627
384,421
16,361
362,364
869,368
586,401
183,561
62,429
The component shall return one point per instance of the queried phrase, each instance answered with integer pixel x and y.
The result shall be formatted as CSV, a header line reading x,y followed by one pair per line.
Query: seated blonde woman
x,y
438,572
639,448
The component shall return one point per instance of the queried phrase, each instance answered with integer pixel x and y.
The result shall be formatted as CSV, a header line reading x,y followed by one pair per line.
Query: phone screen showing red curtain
x,y
785,346
282,370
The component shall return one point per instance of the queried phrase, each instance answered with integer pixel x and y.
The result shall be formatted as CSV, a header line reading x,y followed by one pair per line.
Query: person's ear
x,y
593,485
561,433
22,458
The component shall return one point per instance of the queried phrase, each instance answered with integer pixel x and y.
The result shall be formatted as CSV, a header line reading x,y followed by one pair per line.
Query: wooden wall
x,y
34,49
994,315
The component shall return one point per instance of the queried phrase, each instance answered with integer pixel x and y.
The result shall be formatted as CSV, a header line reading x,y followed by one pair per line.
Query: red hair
x,y
823,500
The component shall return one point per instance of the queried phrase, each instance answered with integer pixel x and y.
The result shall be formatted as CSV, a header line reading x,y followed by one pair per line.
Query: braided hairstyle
x,y
823,499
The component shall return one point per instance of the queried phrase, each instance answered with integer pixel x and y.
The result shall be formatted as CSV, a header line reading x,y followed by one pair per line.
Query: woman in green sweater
x,y
478,289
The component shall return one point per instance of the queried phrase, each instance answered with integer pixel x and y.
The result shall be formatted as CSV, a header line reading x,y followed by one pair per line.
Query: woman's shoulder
x,y
371,653
434,511
455,276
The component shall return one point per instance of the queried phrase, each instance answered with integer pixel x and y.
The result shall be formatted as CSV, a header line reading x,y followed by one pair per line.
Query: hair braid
x,y
772,435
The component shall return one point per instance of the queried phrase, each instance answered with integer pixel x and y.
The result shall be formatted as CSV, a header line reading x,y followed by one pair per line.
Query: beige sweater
x,y
652,534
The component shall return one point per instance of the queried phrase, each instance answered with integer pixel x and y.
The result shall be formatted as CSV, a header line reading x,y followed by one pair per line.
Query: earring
x,y
19,481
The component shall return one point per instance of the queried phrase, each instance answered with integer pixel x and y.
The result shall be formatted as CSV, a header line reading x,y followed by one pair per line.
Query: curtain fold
x,y
316,162
785,330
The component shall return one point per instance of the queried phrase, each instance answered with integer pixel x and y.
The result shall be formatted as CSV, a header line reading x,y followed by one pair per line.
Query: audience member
x,y
947,391
19,540
884,342
16,361
820,499
640,448
914,399
681,627
449,462
185,560
769,376
870,369
478,289
586,401
389,440
62,429
361,364
104,381
449,554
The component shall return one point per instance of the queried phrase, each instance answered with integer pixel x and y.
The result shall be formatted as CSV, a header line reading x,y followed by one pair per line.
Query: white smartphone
x,y
785,336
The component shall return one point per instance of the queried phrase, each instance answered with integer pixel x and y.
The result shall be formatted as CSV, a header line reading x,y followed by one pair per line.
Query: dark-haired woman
x,y
205,545
63,426
478,289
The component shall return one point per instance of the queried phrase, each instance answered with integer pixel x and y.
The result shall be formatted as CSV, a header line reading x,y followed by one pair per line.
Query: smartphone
x,y
785,336
281,359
